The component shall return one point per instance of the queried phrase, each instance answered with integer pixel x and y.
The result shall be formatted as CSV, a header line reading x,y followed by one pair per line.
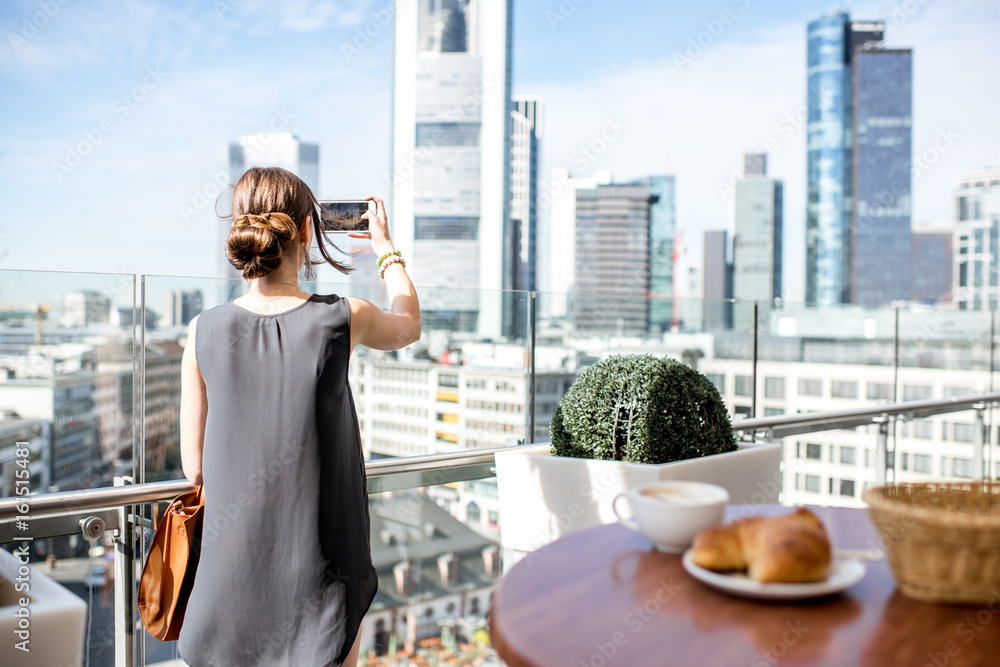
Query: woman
x,y
268,423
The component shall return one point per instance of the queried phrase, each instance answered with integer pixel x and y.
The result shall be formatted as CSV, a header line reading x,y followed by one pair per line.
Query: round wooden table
x,y
604,596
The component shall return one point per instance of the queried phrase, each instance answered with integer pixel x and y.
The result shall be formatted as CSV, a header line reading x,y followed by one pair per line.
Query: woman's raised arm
x,y
370,326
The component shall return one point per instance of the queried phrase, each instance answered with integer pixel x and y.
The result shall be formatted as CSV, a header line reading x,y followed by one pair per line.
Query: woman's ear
x,y
305,236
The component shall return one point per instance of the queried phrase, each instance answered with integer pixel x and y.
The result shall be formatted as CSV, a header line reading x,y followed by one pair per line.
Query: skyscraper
x,y
451,157
612,259
716,281
930,262
977,241
880,229
561,193
662,223
265,149
522,250
757,240
858,123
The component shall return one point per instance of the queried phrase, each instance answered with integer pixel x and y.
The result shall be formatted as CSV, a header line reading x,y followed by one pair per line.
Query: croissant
x,y
793,548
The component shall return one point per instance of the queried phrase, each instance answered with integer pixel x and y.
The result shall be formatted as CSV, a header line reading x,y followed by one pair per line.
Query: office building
x,y
880,229
612,259
716,283
560,193
82,309
451,158
662,227
265,149
522,239
858,164
180,307
757,238
976,237
56,384
930,263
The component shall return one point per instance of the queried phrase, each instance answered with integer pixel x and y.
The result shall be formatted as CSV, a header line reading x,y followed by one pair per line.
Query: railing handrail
x,y
131,494
933,406
117,496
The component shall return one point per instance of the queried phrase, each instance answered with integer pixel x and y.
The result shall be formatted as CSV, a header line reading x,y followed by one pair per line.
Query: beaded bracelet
x,y
387,254
392,259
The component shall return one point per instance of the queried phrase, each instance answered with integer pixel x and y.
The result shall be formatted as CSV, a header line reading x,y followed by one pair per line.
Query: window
x,y
810,387
848,455
923,428
472,513
922,463
447,134
773,412
744,385
742,411
718,379
963,274
447,380
847,487
963,208
812,483
446,228
958,392
917,392
448,417
774,387
880,391
961,467
905,462
814,451
844,389
964,432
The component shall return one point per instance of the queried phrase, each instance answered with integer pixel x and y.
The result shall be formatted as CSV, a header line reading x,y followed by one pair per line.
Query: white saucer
x,y
843,574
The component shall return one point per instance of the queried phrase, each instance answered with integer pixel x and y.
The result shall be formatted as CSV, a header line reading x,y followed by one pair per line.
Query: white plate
x,y
844,573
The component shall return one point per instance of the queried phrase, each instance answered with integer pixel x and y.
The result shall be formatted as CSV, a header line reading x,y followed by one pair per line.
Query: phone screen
x,y
344,216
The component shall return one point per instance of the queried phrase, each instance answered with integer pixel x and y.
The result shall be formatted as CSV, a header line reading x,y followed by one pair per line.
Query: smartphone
x,y
344,215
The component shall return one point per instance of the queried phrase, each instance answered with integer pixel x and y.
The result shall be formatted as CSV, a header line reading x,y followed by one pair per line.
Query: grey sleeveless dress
x,y
285,574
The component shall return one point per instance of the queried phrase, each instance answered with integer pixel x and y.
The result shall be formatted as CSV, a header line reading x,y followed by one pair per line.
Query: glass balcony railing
x,y
89,378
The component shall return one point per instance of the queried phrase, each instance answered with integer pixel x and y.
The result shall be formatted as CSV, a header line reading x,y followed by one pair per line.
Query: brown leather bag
x,y
168,574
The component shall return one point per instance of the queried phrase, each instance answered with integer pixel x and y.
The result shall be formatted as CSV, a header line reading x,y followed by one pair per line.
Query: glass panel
x,y
66,377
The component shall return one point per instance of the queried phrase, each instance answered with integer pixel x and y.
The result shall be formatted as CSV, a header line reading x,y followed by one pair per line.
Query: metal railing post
x,y
753,393
882,450
978,443
529,436
124,585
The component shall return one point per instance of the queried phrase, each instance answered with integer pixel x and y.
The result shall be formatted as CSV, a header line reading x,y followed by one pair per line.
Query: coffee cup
x,y
671,513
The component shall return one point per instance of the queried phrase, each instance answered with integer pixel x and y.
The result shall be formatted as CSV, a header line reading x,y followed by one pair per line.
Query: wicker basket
x,y
942,538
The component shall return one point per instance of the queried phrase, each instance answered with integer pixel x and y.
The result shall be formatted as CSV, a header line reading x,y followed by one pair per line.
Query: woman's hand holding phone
x,y
378,228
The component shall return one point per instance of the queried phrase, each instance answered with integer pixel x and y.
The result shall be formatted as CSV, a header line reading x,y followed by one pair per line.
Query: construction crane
x,y
39,319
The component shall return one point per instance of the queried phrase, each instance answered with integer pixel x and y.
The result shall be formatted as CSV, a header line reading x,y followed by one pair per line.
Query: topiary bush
x,y
641,409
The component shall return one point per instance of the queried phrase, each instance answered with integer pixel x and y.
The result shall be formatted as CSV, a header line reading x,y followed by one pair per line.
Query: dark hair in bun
x,y
270,205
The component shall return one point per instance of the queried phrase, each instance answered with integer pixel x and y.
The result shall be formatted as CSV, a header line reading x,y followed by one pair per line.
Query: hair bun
x,y
257,241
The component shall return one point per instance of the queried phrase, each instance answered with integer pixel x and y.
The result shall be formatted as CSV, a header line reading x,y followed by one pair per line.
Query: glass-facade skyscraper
x,y
662,223
838,91
880,226
451,158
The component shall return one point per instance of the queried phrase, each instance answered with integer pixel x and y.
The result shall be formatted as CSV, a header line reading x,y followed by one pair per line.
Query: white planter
x,y
54,618
543,497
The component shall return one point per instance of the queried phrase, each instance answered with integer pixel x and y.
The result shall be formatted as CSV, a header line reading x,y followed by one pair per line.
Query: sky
x,y
115,115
